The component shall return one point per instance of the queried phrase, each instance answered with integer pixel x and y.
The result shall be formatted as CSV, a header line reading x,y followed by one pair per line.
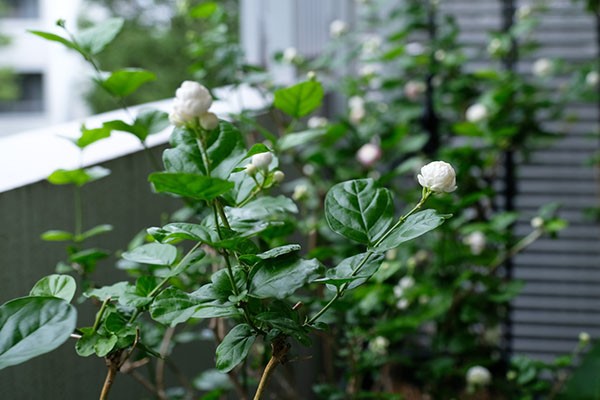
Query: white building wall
x,y
63,72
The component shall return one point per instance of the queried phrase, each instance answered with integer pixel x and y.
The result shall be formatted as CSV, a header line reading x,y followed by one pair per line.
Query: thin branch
x,y
160,363
279,356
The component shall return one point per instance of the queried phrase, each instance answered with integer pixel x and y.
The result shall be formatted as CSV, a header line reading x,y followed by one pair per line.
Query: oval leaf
x,y
124,82
279,278
235,347
60,286
414,226
358,210
189,185
348,270
31,326
152,253
299,100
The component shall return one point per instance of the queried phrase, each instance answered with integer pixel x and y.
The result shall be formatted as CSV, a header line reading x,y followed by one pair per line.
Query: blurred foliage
x,y
166,38
9,89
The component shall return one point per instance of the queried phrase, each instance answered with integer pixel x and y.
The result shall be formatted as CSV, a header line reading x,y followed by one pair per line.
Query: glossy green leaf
x,y
279,278
204,10
146,123
184,155
299,100
152,253
105,345
189,185
348,270
60,286
358,210
78,177
57,236
416,225
584,383
113,291
56,38
89,136
31,326
225,150
235,347
94,39
123,82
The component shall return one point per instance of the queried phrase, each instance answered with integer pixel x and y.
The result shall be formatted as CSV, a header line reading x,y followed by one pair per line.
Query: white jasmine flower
x,y
440,55
414,49
368,70
402,304
542,67
300,191
478,376
368,154
379,345
209,121
290,55
398,292
337,28
262,160
494,46
311,75
438,176
591,79
537,222
317,122
250,169
357,108
584,338
524,11
371,44
191,101
476,113
476,241
414,89
308,169
407,282
278,176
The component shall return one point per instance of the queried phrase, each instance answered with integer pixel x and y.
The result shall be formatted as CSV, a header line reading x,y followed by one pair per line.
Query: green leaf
x,y
78,177
97,230
105,345
299,100
31,326
152,253
60,286
584,383
204,10
291,140
89,136
192,259
94,39
347,270
184,156
225,150
414,226
189,185
113,291
278,251
358,210
56,38
235,347
149,122
123,82
57,236
279,278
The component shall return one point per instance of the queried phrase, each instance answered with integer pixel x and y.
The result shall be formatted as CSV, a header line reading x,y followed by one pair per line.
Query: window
x,y
21,9
31,95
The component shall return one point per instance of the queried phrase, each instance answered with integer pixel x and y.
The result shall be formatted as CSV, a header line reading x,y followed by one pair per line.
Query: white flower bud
x,y
191,101
476,113
494,46
311,75
368,70
300,191
398,291
478,376
402,304
592,78
337,28
308,169
542,67
371,44
537,222
278,176
368,154
414,89
209,121
438,176
357,108
317,122
476,241
250,169
379,345
439,55
262,160
414,49
584,338
290,55
407,282
524,11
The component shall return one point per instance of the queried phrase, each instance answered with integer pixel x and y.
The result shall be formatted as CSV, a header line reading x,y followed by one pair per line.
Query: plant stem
x,y
160,363
100,314
108,381
78,211
279,351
